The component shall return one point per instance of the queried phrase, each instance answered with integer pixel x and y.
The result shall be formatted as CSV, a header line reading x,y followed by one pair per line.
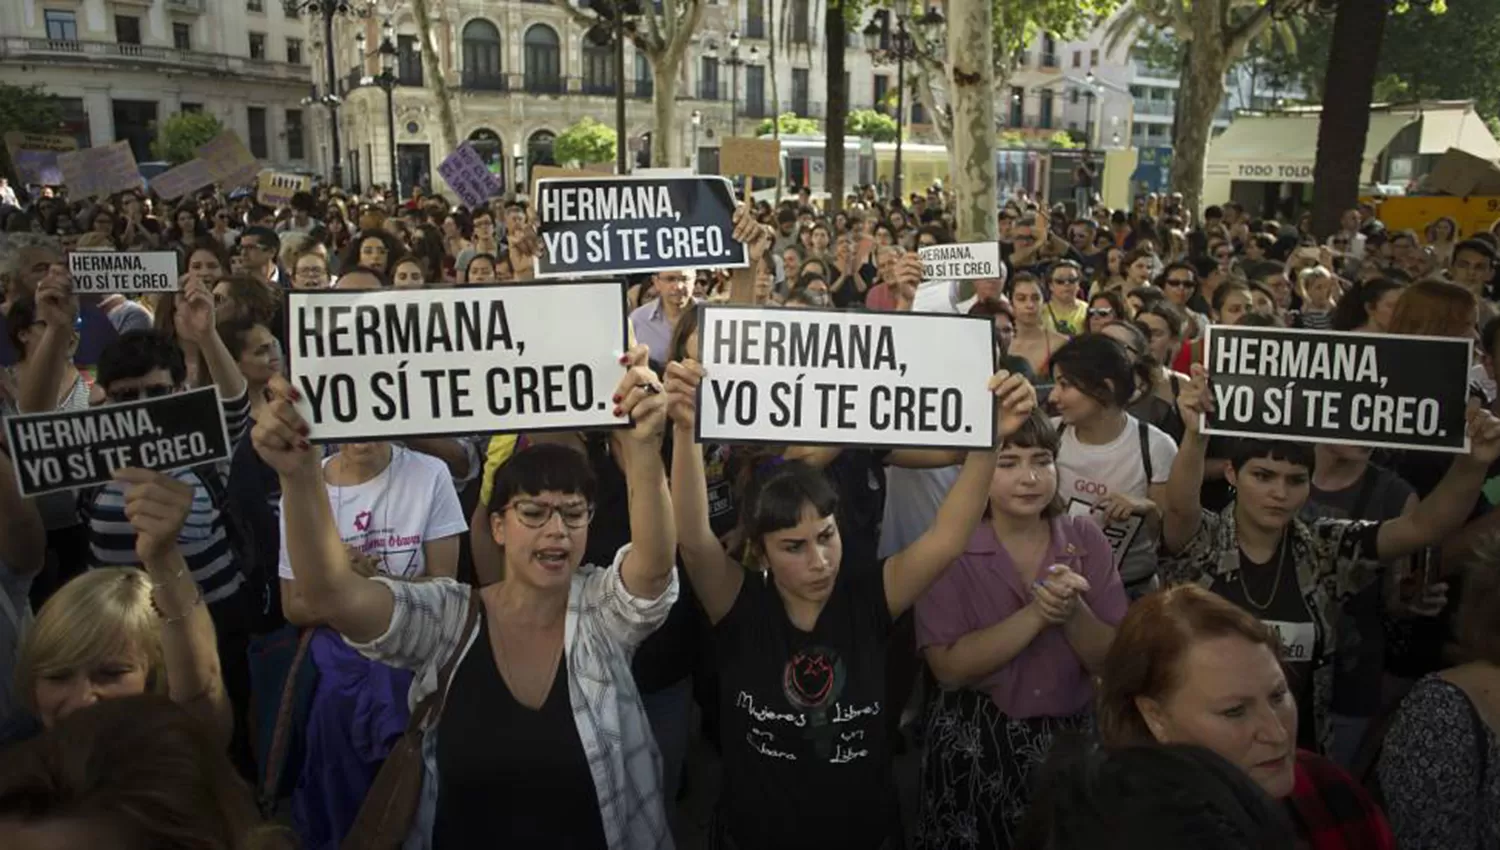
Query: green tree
x,y
872,125
790,124
25,109
586,142
1064,140
179,137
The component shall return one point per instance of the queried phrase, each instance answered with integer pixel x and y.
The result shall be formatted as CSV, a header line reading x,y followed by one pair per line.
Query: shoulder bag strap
x,y
1145,432
281,732
431,708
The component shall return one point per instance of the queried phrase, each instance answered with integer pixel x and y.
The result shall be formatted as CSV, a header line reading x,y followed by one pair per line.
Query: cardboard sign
x,y
66,450
184,179
1385,391
470,178
97,172
119,271
832,378
1119,534
380,365
229,162
967,261
538,173
631,224
35,157
750,157
276,189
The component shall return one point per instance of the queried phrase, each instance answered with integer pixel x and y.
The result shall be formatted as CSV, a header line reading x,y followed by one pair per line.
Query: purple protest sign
x,y
472,181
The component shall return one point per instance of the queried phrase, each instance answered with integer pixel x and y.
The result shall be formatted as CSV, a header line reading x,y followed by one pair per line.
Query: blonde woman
x,y
121,631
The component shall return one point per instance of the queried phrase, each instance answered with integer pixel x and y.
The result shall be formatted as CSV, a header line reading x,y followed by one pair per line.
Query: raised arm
x,y
756,239
195,323
56,309
157,505
328,588
1182,514
911,571
647,570
716,578
23,537
1448,506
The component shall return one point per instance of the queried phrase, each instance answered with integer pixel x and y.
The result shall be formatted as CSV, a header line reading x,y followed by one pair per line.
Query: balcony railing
x,y
1154,107
185,7
520,83
754,108
145,54
1143,68
803,108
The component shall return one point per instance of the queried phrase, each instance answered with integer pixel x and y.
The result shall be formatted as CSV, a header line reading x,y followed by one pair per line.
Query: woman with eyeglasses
x,y
1104,308
544,733
310,270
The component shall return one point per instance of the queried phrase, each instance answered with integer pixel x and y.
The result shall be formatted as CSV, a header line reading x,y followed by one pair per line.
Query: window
x,y
755,18
257,45
755,91
882,90
1073,96
127,29
543,60
409,61
61,26
800,22
289,8
257,120
255,5
1049,51
482,55
182,36
1017,106
1078,59
644,82
1046,121
708,79
191,108
598,67
294,51
1093,57
799,91
295,148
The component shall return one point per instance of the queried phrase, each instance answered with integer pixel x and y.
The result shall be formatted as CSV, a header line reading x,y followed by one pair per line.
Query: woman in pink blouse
x,y
1012,632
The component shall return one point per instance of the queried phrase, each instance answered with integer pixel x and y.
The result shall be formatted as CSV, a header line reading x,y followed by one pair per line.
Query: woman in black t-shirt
x,y
801,648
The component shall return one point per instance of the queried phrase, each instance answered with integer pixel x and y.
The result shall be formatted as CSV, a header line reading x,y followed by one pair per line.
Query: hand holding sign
x,y
1017,399
1194,402
280,434
1484,435
194,317
755,236
683,378
157,505
56,306
639,396
1120,507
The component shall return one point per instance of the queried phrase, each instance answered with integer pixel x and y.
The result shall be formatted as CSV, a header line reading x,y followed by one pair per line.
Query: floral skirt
x,y
978,768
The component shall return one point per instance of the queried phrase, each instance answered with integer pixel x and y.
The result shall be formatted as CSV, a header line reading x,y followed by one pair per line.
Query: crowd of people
x,y
1107,629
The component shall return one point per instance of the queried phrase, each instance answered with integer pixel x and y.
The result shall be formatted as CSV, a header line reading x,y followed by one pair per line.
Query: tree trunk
x,y
835,40
1358,29
435,65
771,71
971,97
1201,88
664,111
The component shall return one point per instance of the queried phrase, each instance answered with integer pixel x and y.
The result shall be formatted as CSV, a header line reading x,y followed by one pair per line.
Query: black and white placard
x,y
605,226
826,377
965,261
121,271
385,364
1380,390
65,450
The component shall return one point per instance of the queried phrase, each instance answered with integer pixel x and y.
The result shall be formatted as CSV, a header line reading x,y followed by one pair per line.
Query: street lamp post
x,y
697,122
329,9
387,81
735,62
901,47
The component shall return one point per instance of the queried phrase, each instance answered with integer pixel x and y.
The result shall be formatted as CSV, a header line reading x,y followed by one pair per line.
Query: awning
x,y
1456,128
1283,148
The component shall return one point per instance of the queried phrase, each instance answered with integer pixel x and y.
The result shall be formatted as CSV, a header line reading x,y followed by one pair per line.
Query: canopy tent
x,y
1283,148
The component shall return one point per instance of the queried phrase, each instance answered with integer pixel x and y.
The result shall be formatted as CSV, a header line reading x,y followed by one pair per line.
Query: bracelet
x,y
197,600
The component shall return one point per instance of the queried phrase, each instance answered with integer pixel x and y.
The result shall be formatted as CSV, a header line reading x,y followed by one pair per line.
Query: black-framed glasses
x,y
1070,280
1177,281
537,514
138,393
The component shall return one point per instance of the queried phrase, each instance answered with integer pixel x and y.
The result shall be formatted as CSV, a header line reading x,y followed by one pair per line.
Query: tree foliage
x,y
26,109
585,142
867,123
791,124
180,136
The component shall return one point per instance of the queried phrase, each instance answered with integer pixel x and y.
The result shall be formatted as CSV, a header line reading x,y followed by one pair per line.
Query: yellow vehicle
x,y
1415,212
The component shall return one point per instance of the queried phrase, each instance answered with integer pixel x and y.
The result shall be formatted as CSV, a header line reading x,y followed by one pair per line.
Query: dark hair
x,y
1099,367
1244,450
939,233
686,326
19,319
1116,302
254,296
541,468
135,354
1213,211
211,246
1037,433
1149,797
1226,289
1490,335
394,249
235,331
1256,319
1353,309
1477,245
1027,277
265,236
992,307
304,203
484,255
777,497
1167,312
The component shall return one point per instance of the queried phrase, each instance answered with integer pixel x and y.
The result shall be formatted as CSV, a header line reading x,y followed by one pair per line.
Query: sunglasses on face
x,y
138,393
1101,312
1177,281
1065,281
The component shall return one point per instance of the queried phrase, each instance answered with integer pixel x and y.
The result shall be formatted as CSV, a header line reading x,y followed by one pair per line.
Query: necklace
x,y
533,701
1275,585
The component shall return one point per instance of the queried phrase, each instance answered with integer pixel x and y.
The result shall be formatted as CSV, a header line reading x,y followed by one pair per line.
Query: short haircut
x,y
265,236
1476,246
1167,312
1226,289
1064,264
20,318
1037,432
135,354
1098,366
777,497
1214,211
234,333
1245,449
543,468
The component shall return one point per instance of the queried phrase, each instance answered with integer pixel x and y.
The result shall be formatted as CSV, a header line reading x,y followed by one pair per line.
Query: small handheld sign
x,y
119,271
1379,390
104,170
831,378
607,226
276,189
384,364
468,176
967,261
66,450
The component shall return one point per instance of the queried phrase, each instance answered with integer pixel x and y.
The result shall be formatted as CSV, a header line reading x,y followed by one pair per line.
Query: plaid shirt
x,y
1331,812
604,626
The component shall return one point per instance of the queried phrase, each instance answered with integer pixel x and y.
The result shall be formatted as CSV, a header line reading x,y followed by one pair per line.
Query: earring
x,y
765,577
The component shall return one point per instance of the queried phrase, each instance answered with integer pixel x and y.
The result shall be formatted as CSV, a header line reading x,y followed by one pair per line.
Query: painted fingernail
x,y
624,358
618,411
303,445
303,429
295,394
617,398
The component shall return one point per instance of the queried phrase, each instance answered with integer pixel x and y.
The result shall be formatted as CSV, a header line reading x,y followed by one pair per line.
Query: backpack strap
x,y
1145,433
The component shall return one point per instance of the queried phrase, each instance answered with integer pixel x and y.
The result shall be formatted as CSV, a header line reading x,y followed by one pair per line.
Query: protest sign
x,y
229,162
967,261
1404,392
402,363
118,271
276,189
35,156
64,450
471,180
825,377
185,178
95,172
1119,534
604,226
750,157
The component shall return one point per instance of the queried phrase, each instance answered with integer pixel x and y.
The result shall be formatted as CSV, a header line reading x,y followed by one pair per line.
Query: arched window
x,y
539,149
487,144
598,67
482,55
543,60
